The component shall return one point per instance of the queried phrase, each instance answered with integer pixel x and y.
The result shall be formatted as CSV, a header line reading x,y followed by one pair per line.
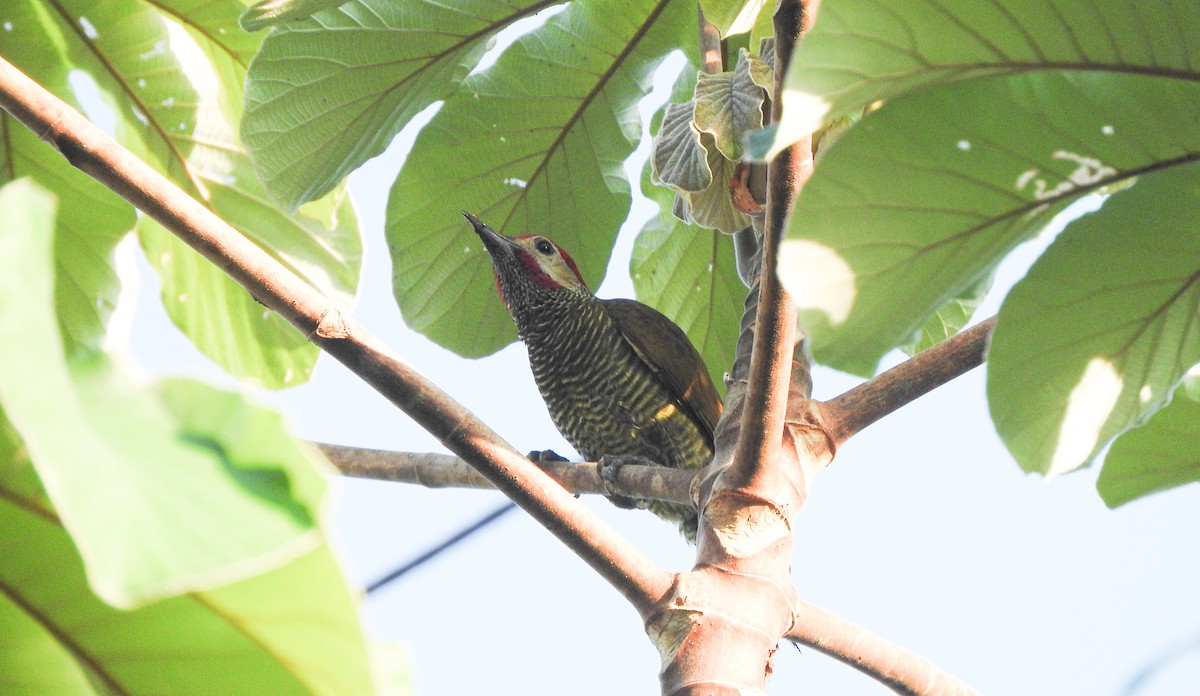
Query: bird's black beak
x,y
493,241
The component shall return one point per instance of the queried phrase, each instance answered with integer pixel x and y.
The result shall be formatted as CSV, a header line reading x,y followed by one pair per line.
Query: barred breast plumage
x,y
618,377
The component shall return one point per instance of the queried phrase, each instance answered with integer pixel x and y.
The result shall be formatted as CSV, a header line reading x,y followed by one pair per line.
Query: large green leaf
x,y
164,489
860,51
1104,326
534,144
925,196
734,16
171,75
292,631
321,244
328,93
690,274
269,13
1163,453
950,318
85,232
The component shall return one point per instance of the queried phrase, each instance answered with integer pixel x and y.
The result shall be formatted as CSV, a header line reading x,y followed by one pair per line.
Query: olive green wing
x,y
663,346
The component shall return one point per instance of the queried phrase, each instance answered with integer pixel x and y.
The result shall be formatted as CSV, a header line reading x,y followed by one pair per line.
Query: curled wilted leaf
x,y
678,159
762,66
713,208
729,105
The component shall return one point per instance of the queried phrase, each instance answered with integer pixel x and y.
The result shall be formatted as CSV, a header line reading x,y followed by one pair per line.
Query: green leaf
x,y
762,66
733,16
697,148
830,132
950,318
926,195
1191,384
86,232
763,29
534,144
678,159
728,106
321,244
16,479
759,142
269,13
712,207
304,615
33,660
1163,453
170,76
214,26
137,475
292,631
690,274
861,51
1098,334
328,93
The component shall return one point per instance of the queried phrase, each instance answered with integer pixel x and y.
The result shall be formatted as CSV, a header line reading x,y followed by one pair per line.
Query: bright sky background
x,y
923,529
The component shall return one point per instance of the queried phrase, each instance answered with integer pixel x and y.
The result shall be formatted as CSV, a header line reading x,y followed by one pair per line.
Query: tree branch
x,y
447,471
775,323
89,149
902,671
845,415
723,619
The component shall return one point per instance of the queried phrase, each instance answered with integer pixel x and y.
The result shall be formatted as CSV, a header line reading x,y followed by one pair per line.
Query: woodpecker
x,y
619,378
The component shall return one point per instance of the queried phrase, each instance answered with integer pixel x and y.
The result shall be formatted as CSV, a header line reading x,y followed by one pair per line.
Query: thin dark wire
x,y
444,546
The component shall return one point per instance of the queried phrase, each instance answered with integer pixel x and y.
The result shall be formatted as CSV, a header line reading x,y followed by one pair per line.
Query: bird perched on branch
x,y
621,381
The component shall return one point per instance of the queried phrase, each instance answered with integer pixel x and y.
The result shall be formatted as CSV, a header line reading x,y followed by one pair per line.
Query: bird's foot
x,y
609,467
542,457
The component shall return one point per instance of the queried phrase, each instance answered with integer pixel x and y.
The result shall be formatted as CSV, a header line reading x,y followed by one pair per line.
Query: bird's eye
x,y
544,247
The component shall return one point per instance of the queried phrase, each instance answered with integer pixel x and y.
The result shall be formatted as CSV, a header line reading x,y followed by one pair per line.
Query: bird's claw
x,y
543,457
609,466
